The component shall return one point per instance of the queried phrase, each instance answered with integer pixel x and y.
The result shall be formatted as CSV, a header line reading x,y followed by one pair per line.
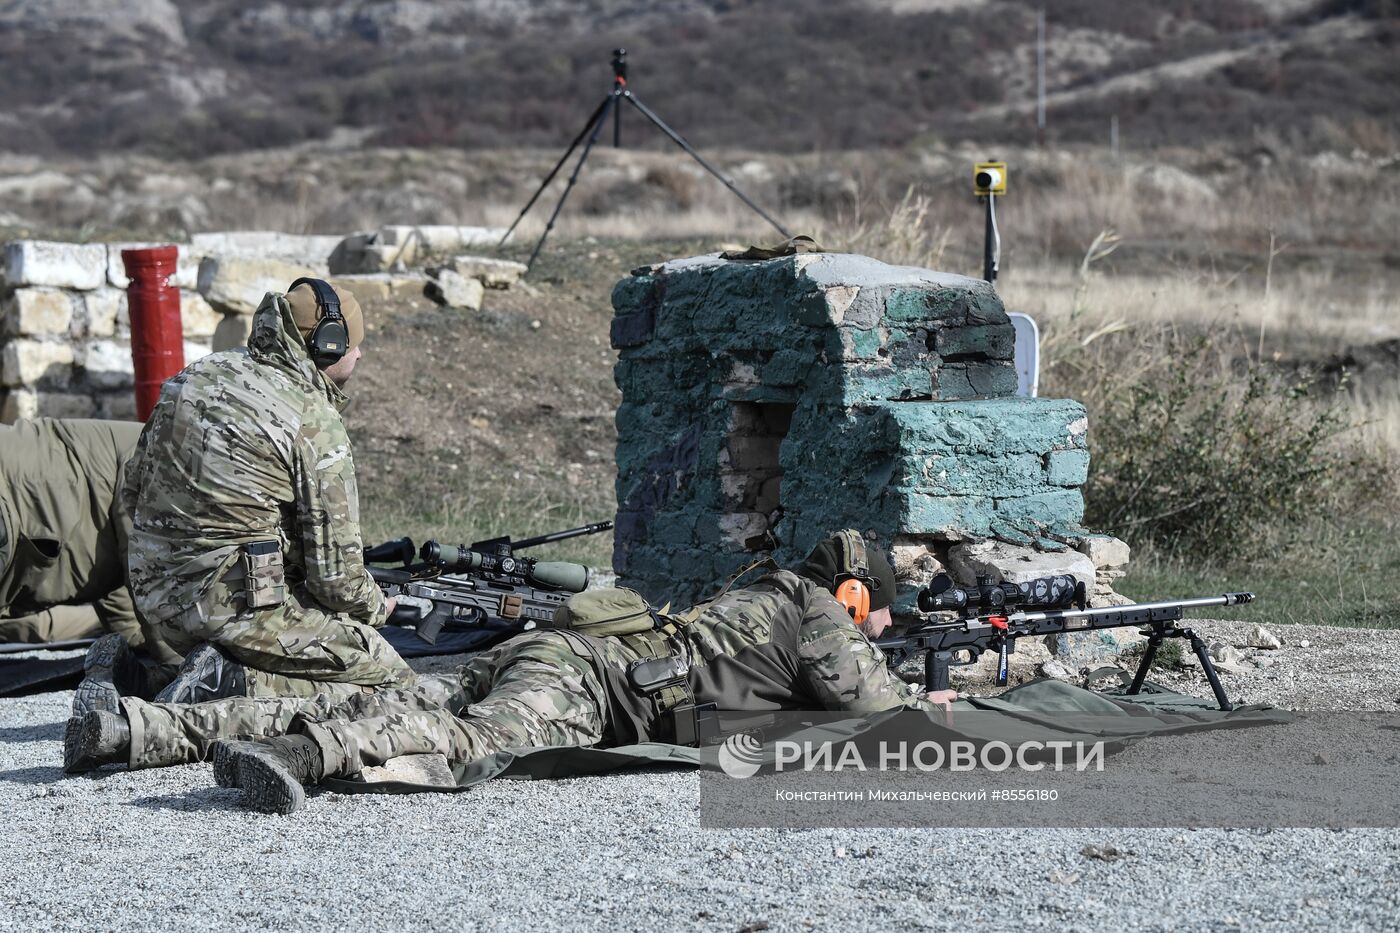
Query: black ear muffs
x,y
329,340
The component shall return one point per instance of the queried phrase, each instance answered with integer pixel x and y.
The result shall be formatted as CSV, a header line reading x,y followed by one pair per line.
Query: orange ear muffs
x,y
855,596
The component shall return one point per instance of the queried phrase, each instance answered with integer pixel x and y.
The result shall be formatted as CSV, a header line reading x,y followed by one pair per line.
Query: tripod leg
x,y
617,127
592,118
597,126
676,138
1202,655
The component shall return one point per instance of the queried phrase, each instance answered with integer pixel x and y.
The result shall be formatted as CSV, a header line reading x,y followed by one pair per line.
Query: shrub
x,y
1208,457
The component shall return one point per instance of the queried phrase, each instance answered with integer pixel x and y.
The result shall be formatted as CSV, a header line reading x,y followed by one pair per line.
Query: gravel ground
x,y
167,849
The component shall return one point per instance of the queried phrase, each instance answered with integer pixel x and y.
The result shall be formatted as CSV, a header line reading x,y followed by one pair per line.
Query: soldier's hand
x,y
389,606
942,698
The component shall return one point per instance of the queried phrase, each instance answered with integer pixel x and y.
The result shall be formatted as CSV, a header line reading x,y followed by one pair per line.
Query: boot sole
x,y
98,691
266,787
225,766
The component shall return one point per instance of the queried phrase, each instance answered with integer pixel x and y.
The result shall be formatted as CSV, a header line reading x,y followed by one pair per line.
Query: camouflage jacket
x,y
782,643
785,643
62,532
247,445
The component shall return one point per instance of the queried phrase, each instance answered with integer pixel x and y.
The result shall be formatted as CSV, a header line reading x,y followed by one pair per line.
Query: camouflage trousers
x,y
293,650
528,692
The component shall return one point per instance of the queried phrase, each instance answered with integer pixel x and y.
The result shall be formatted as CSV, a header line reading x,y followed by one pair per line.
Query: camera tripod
x,y
589,135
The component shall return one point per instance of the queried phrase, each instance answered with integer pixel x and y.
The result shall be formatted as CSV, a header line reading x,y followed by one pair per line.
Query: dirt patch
x,y
474,424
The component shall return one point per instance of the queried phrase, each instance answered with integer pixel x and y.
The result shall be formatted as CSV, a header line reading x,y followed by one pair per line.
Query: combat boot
x,y
270,771
95,739
110,671
207,674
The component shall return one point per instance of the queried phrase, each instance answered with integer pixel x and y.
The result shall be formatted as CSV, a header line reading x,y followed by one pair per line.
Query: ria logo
x,y
741,755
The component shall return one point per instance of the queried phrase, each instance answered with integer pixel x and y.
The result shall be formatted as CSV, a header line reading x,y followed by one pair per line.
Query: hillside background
x,y
200,77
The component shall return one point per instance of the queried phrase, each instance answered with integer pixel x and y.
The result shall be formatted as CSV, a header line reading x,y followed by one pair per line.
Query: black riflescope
x,y
546,574
1061,591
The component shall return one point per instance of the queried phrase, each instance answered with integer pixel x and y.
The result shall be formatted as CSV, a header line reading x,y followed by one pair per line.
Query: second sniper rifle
x,y
484,587
991,616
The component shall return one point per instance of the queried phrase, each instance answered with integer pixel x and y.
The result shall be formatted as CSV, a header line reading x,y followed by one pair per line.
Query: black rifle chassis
x,y
943,642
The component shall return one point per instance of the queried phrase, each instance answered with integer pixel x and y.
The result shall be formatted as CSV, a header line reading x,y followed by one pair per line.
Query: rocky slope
x,y
180,77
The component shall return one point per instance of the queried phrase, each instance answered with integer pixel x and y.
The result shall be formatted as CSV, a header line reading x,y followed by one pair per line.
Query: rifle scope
x,y
546,574
1056,592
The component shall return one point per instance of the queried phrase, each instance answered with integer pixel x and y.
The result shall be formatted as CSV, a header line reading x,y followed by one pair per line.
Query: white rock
x,y
1015,564
1106,552
186,264
107,364
197,316
26,362
1260,637
19,404
309,252
913,561
1056,671
80,266
1304,644
236,286
738,527
28,404
456,290
31,311
103,309
493,273
194,349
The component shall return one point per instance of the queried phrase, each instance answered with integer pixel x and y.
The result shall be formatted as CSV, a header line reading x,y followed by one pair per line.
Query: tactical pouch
x,y
264,584
613,611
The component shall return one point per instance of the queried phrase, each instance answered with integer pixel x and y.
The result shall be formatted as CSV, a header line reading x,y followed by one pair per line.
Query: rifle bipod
x,y
1154,641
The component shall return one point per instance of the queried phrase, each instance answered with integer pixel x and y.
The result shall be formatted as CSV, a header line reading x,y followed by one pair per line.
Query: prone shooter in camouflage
x,y
245,546
782,643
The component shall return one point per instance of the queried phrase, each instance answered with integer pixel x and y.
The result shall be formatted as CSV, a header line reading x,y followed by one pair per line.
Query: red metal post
x,y
157,339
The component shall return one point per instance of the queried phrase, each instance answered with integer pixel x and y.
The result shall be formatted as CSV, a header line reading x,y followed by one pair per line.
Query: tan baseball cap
x,y
306,312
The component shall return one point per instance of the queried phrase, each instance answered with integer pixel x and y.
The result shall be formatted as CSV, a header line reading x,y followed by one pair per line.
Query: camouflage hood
x,y
275,340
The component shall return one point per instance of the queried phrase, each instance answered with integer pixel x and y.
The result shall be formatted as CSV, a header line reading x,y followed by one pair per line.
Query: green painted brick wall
x,y
894,385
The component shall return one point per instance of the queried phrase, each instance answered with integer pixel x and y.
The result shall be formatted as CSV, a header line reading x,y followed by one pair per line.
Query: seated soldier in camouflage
x,y
782,643
63,539
245,545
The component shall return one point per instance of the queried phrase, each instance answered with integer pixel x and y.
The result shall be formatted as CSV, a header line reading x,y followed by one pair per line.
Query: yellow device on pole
x,y
989,178
989,183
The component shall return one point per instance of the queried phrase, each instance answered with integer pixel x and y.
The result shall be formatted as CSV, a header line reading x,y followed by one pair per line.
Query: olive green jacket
x,y
63,534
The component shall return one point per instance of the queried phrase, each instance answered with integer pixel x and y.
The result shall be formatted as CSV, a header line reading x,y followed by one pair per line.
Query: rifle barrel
x,y
1228,599
593,529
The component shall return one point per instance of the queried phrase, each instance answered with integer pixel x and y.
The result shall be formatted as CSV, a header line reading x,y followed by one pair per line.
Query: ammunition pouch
x,y
264,580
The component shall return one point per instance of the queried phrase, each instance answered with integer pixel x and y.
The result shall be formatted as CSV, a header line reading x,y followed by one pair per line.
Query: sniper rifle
x,y
992,616
485,587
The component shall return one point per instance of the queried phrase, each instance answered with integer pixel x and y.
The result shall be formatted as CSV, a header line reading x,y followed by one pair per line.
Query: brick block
x,y
38,311
18,404
107,364
988,342
81,266
1067,467
104,310
197,316
1105,552
31,362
